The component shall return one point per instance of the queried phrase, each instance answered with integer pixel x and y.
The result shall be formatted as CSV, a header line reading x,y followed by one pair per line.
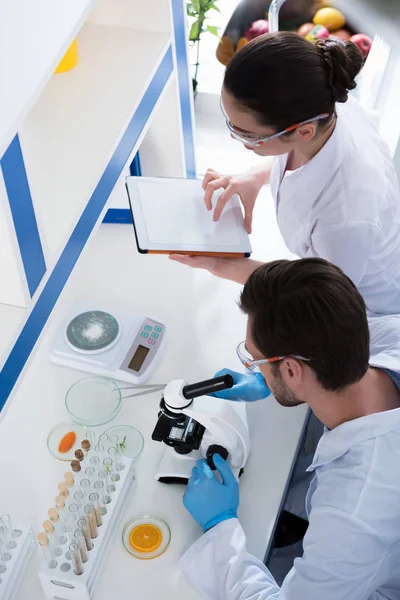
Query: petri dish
x,y
57,434
146,537
93,331
130,437
93,401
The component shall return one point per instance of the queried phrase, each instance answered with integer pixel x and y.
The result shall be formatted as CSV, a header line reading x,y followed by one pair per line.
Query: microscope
x,y
194,425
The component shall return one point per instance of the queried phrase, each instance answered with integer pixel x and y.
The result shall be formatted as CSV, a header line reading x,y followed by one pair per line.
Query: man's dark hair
x,y
311,308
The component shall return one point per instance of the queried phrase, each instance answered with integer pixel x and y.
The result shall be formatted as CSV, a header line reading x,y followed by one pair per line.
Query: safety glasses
x,y
253,140
248,361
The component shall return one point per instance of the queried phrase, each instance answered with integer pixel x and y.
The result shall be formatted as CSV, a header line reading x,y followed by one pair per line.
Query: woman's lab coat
x,y
344,206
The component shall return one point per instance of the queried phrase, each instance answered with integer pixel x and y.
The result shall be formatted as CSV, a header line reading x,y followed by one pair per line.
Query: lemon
x,y
331,18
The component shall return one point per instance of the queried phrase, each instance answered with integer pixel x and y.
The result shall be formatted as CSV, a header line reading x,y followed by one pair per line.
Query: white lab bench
x,y
204,326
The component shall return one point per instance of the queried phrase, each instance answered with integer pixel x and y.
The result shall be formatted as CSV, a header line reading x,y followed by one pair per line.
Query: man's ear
x,y
291,370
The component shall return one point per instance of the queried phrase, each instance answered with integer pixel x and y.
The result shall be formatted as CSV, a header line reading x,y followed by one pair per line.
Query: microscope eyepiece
x,y
209,386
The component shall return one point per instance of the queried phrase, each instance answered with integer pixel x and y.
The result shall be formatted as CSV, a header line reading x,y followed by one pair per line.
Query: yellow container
x,y
70,59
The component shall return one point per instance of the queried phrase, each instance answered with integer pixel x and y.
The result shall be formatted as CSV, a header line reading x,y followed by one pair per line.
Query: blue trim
x,y
185,87
65,264
23,214
118,215
135,168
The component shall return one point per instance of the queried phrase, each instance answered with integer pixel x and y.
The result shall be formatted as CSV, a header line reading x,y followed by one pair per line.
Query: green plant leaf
x,y
213,6
212,29
190,10
194,31
196,5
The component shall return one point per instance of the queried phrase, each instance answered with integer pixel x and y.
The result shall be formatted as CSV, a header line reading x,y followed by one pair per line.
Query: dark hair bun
x,y
343,62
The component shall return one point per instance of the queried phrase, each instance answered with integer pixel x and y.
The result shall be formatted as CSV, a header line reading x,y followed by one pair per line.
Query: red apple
x,y
257,28
363,42
319,32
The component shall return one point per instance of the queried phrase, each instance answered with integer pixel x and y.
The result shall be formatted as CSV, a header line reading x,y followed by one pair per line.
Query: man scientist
x,y
308,334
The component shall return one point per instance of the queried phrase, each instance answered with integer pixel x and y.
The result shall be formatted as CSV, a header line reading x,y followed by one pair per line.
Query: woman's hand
x,y
246,185
234,269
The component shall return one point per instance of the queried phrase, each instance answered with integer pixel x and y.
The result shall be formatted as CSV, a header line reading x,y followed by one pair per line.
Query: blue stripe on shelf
x,y
185,87
135,168
23,214
118,215
58,278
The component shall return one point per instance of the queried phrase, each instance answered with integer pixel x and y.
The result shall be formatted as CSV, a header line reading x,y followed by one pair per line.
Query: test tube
x,y
47,552
60,505
3,544
95,462
99,489
84,527
100,452
77,470
105,478
76,558
94,500
104,440
55,519
80,540
91,519
3,566
109,467
69,481
79,499
74,512
53,540
64,491
86,487
90,473
91,436
80,455
118,465
8,531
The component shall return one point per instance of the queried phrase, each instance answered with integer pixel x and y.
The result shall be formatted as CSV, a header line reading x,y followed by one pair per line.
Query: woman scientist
x,y
333,180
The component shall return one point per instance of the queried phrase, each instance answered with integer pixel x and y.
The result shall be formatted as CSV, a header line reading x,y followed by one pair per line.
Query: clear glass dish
x,y
130,440
146,537
93,401
56,435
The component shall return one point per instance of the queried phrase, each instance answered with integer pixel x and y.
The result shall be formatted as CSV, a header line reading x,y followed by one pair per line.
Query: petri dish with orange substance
x,y
146,537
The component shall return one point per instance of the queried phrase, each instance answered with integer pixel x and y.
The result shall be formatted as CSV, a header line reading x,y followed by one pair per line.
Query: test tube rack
x,y
17,565
62,585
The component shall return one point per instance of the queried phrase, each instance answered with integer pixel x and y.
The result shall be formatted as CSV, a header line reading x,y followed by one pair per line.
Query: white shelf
x,y
380,17
72,131
34,35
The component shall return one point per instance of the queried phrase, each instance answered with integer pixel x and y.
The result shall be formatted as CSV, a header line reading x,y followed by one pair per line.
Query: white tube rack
x,y
63,585
20,557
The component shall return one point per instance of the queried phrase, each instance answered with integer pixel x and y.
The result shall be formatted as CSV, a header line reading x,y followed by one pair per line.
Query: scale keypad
x,y
151,333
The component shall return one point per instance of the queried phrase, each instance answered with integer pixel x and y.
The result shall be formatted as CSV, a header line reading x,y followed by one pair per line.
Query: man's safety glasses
x,y
253,140
248,361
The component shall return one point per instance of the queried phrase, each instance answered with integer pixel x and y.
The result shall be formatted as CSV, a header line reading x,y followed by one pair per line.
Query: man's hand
x,y
246,388
209,501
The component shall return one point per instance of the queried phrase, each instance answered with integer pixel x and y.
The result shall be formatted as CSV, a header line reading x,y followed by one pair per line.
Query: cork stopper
x,y
69,479
42,539
63,489
60,502
85,445
76,466
48,526
53,514
79,455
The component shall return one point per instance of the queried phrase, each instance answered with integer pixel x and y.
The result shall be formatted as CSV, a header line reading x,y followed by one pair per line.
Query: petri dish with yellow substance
x,y
146,537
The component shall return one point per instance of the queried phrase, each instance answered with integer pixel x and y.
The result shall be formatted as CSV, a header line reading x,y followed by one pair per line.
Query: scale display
x,y
111,344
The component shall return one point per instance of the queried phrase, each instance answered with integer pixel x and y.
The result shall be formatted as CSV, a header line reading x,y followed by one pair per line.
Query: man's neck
x,y
376,392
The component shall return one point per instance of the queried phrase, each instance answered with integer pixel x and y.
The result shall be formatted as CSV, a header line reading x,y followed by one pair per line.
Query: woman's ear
x,y
305,133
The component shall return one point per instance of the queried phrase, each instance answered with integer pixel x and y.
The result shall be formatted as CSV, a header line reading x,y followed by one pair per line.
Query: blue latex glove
x,y
208,500
247,388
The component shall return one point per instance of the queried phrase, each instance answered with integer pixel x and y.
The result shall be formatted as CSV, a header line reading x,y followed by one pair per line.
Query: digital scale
x,y
118,346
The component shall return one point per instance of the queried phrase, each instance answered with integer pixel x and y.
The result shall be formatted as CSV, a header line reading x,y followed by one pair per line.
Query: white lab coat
x,y
344,206
352,546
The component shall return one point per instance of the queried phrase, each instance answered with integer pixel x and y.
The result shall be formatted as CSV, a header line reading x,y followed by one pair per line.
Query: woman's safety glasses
x,y
253,140
248,361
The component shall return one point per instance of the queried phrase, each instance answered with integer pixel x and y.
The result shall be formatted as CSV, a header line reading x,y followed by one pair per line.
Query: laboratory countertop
x,y
204,326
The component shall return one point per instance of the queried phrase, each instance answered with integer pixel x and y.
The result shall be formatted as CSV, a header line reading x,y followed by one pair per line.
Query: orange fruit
x,y
242,42
225,50
145,538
